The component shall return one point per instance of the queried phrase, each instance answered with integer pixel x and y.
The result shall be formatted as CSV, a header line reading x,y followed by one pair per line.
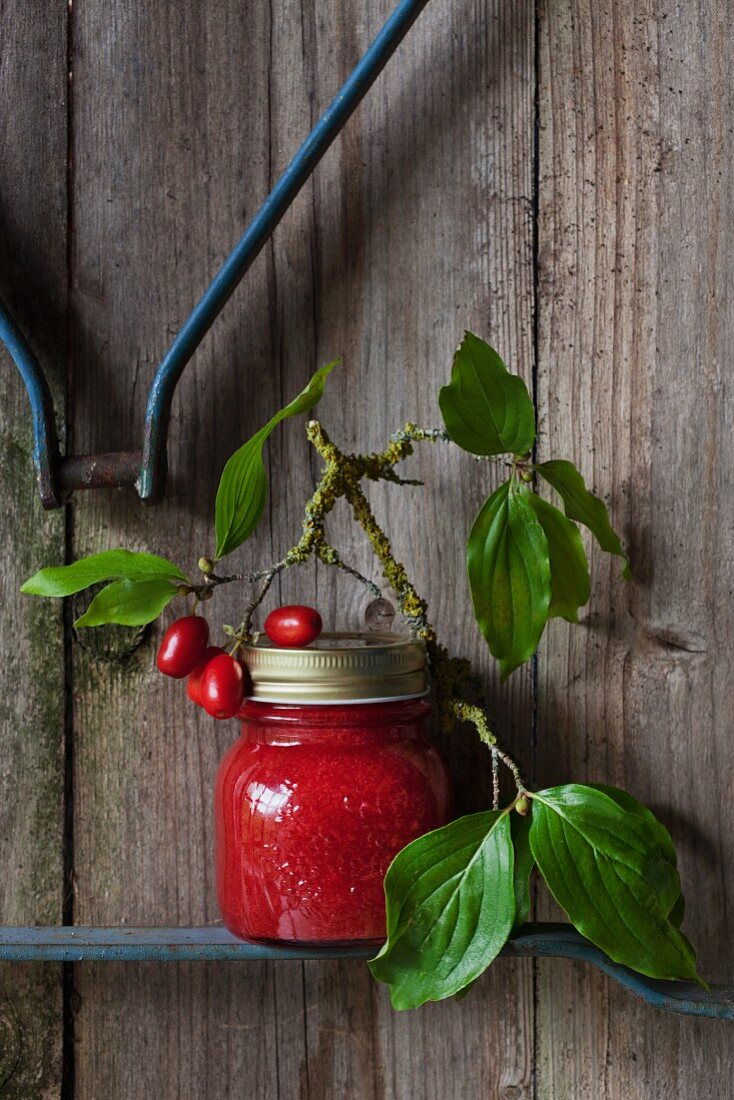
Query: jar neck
x,y
347,723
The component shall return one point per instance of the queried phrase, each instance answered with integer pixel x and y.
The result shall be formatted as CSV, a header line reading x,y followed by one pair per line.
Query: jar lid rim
x,y
340,702
336,670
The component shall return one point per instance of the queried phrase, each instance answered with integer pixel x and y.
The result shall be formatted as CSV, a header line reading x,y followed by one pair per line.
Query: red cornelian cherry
x,y
193,684
183,646
223,686
294,625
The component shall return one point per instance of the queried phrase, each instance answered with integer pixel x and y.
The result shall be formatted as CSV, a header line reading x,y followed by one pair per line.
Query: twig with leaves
x,y
455,895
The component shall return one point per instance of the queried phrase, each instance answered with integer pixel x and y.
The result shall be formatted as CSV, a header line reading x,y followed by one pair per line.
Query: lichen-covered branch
x,y
330,556
453,677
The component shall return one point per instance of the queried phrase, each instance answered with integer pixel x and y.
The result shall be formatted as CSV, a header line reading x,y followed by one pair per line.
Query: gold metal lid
x,y
338,668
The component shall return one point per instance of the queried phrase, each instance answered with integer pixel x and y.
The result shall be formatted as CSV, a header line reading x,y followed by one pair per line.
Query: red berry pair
x,y
216,680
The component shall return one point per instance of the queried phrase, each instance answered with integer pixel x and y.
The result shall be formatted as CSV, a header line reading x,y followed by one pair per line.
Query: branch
x,y
329,556
467,712
341,476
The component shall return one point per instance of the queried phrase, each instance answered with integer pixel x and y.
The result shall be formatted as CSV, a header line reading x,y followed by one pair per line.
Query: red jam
x,y
312,804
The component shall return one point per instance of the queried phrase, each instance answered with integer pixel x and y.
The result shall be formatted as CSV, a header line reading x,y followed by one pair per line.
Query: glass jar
x,y
331,777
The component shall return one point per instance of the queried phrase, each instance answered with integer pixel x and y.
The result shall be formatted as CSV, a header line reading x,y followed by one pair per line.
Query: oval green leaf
x,y
129,603
486,410
570,581
110,565
581,505
664,870
509,576
610,870
658,835
243,487
450,909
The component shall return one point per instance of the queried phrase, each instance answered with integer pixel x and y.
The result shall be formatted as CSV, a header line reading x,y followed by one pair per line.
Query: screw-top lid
x,y
338,668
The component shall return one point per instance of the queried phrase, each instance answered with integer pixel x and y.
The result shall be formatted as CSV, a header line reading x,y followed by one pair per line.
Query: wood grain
x,y
419,223
636,246
33,282
169,164
423,142
176,141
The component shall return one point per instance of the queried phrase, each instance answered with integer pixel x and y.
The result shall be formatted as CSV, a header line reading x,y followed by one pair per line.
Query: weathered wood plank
x,y
635,326
202,107
423,228
33,282
171,156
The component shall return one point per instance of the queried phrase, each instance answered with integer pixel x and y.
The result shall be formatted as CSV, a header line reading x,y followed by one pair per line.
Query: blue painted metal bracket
x,y
45,441
77,944
58,476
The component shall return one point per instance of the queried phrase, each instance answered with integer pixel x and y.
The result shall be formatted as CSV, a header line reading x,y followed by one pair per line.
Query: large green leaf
x,y
509,576
658,835
583,506
110,565
660,843
570,582
243,487
609,867
486,410
450,909
129,603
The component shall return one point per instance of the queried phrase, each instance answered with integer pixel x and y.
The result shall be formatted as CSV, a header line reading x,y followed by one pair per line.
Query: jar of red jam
x,y
331,777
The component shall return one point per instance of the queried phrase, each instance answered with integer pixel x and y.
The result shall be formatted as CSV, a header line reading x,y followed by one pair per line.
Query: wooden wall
x,y
557,179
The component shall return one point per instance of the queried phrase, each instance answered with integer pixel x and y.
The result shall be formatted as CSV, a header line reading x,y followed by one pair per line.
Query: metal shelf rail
x,y
211,943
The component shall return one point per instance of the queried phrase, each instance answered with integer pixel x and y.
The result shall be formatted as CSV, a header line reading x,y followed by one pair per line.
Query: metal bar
x,y
45,442
81,944
548,940
154,469
105,471
77,944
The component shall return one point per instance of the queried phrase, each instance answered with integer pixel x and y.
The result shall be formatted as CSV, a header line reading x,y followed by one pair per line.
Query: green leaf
x,y
129,603
450,908
486,410
64,580
243,487
658,834
241,496
583,506
570,582
660,843
676,914
608,867
509,576
524,863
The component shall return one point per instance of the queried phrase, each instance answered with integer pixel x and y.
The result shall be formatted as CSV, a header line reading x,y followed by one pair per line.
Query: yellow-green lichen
x,y
341,476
